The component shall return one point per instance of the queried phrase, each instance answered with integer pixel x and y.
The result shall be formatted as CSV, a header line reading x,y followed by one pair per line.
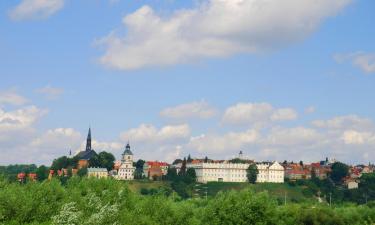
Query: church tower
x,y
126,171
88,140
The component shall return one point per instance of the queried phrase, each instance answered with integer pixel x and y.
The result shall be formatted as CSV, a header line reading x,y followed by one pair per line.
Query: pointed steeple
x,y
88,141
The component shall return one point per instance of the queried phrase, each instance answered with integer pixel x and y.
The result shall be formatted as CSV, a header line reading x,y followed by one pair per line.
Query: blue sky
x,y
212,77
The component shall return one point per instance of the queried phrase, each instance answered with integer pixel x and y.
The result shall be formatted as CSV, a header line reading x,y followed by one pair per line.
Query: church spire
x,y
88,141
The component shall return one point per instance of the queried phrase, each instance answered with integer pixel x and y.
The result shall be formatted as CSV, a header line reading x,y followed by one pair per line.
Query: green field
x,y
137,185
279,191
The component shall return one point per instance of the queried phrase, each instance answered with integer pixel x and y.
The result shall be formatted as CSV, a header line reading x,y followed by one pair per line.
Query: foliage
x,y
139,169
252,173
64,162
106,201
339,171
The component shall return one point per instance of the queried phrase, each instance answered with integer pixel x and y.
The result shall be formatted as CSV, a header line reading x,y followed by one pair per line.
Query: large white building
x,y
126,170
237,172
270,172
223,172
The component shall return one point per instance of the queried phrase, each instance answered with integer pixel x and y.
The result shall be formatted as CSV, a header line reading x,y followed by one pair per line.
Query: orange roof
x,y
156,163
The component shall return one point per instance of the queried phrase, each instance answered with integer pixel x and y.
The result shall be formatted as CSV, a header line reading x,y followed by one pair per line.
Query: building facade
x,y
221,172
270,173
97,172
155,168
126,170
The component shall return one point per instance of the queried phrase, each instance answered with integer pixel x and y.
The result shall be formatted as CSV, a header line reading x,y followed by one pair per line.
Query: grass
x,y
137,185
293,193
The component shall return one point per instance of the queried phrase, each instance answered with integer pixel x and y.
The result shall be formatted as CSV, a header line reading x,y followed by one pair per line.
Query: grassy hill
x,y
279,191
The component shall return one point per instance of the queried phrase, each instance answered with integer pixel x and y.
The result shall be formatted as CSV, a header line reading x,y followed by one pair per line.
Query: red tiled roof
x,y
156,163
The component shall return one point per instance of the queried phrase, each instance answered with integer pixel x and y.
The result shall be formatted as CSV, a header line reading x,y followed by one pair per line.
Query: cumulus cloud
x,y
35,9
11,97
359,138
258,114
200,110
363,61
149,133
50,93
345,122
232,141
20,118
214,28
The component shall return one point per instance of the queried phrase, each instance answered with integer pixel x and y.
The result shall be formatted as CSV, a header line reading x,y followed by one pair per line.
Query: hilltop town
x,y
239,169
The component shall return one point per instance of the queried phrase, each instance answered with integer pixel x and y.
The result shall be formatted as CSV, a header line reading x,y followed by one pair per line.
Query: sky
x,y
278,80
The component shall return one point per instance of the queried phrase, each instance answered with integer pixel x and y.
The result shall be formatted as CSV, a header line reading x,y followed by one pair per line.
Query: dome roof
x,y
127,150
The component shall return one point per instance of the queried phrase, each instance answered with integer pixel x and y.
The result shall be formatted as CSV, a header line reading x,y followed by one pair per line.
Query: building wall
x,y
270,173
98,174
126,171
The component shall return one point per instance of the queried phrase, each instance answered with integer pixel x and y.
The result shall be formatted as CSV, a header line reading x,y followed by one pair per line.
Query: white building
x,y
126,170
223,172
97,172
236,172
270,173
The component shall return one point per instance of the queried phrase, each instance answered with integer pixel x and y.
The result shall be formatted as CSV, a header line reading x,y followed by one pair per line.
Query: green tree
x,y
252,173
106,160
42,173
190,176
139,169
94,161
182,171
172,174
189,159
339,171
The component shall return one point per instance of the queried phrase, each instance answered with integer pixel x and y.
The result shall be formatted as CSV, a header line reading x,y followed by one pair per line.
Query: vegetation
x,y
99,201
252,173
339,171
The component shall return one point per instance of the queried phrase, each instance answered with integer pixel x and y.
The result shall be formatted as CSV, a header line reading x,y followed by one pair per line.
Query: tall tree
x,y
183,168
252,173
339,171
106,160
190,176
189,159
42,173
139,169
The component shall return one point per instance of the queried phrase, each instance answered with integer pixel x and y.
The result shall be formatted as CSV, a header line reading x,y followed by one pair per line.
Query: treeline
x,y
100,201
335,191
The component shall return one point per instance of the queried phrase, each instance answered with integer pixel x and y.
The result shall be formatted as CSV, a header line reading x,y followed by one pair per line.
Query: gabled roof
x,y
92,170
86,155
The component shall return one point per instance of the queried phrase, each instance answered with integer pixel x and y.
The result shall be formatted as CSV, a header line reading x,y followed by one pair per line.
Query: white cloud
x,y
20,118
232,141
215,28
258,114
149,133
50,93
284,114
67,138
363,61
359,138
35,9
296,136
12,97
345,122
201,110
